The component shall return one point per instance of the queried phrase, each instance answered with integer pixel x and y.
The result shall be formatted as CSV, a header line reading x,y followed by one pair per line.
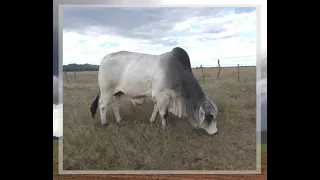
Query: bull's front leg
x,y
154,113
163,104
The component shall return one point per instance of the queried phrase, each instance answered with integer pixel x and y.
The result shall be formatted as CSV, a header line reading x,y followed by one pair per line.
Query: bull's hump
x,y
179,49
182,56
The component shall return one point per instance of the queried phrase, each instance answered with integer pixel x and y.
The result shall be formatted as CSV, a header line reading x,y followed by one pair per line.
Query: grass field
x,y
135,144
55,156
261,176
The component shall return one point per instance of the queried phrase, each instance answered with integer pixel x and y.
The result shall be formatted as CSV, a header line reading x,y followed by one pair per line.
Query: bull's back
x,y
128,72
110,70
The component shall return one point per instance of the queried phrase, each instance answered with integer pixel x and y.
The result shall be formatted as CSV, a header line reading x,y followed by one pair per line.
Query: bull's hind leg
x,y
103,105
116,107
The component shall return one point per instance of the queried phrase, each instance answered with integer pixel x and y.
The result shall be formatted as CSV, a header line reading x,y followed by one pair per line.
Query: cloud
x,y
89,33
263,61
262,88
262,84
264,116
57,109
57,120
55,54
56,90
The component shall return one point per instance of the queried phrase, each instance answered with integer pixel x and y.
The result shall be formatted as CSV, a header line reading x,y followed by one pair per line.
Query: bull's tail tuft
x,y
94,105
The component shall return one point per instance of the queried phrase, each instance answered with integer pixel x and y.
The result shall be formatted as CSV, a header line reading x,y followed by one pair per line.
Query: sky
x,y
90,33
57,120
57,108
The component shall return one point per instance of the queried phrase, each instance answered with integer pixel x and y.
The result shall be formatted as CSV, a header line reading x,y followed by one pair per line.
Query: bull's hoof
x,y
104,124
119,121
165,130
152,120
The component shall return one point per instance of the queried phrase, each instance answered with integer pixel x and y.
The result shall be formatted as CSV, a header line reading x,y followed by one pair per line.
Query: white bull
x,y
166,79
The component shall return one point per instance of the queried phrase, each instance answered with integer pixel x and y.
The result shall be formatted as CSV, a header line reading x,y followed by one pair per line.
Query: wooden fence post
x,y
75,76
219,69
238,74
202,74
65,73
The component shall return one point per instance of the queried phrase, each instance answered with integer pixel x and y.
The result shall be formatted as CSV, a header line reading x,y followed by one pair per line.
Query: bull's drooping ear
x,y
207,105
201,114
214,109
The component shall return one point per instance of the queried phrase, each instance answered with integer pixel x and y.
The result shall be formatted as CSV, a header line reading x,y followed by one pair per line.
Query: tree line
x,y
80,67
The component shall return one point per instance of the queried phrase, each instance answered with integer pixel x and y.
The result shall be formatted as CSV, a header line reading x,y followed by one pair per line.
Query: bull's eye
x,y
209,118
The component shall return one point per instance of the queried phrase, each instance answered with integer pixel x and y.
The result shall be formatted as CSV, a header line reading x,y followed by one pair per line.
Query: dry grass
x,y
135,144
55,156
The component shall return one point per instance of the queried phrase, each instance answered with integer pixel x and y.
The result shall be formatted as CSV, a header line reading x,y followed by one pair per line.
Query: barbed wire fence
x,y
234,64
226,65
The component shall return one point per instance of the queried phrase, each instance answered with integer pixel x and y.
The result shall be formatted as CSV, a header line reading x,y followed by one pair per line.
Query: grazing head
x,y
207,117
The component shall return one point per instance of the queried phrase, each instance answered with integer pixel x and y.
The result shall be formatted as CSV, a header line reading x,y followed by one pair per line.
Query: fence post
x,y
65,73
75,76
219,69
202,74
238,74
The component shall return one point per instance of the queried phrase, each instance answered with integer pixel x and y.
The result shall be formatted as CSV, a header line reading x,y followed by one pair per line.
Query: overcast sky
x,y
89,33
57,120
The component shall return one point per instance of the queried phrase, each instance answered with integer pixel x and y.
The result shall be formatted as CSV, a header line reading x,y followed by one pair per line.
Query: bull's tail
x,y
94,105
